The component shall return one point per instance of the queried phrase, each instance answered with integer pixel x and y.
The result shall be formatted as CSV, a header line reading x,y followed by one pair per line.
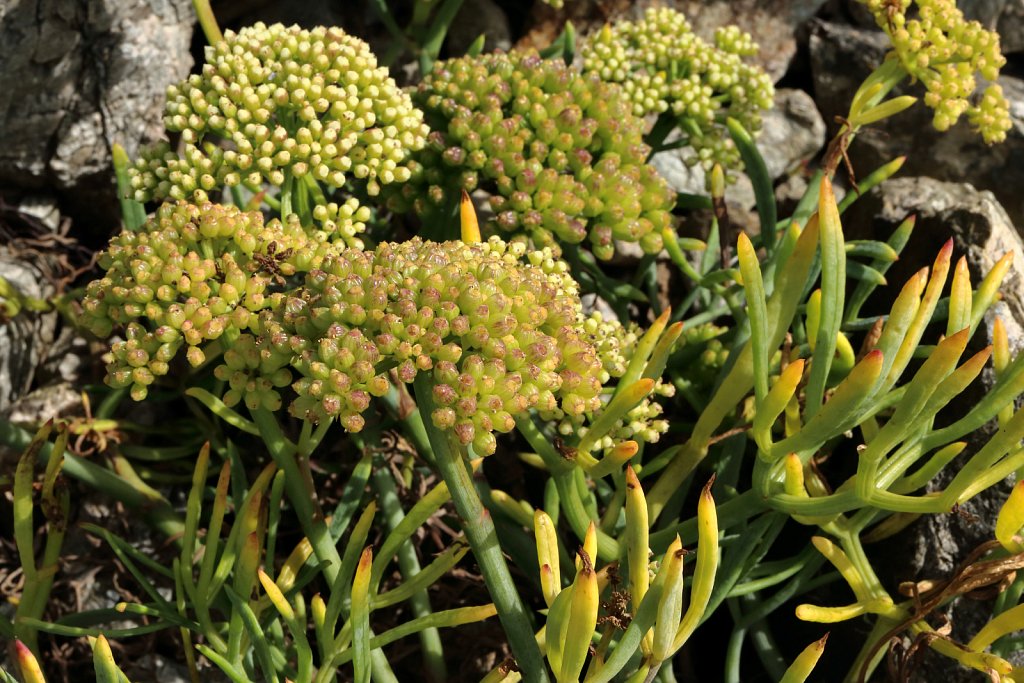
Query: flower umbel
x,y
664,67
276,104
938,47
561,155
499,336
189,276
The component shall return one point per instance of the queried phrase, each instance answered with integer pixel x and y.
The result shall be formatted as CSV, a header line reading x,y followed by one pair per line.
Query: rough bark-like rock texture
x,y
23,339
1011,26
842,56
772,23
78,76
935,545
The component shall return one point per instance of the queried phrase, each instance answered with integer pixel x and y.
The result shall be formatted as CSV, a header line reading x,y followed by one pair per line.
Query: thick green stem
x,y
287,195
207,21
298,485
483,539
569,497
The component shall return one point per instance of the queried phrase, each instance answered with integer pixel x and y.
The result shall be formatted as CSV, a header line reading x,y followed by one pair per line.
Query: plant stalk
x,y
483,539
207,21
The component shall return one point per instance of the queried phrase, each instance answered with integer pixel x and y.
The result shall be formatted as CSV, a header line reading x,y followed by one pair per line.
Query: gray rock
x,y
772,23
935,545
54,400
693,179
43,207
789,192
842,56
1011,26
78,77
793,132
978,224
985,12
23,338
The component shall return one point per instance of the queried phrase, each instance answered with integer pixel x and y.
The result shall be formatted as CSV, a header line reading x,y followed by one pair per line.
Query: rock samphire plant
x,y
617,481
307,115
559,155
935,46
667,70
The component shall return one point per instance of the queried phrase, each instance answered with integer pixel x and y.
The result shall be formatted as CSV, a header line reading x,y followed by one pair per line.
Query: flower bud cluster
x,y
616,345
188,276
938,47
276,103
499,336
663,66
709,355
561,155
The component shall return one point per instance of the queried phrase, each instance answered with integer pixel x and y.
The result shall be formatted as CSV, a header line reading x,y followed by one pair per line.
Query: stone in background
x,y
78,76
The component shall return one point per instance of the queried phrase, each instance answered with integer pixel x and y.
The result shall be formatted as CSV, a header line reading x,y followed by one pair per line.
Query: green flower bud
x,y
188,297
938,47
349,116
661,65
535,130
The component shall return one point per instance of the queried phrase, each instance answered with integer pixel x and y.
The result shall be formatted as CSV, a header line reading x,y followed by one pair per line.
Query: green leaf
x,y
857,271
361,617
445,619
757,171
842,412
424,579
434,37
757,312
236,674
352,496
132,212
885,110
802,666
103,661
873,249
959,315
477,46
898,240
833,292
256,634
342,587
217,407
